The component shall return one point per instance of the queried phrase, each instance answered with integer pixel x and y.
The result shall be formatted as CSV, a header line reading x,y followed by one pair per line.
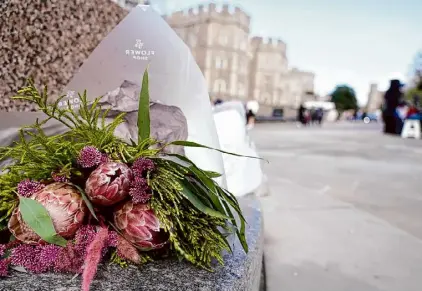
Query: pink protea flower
x,y
27,187
89,157
4,267
139,225
141,166
109,183
65,207
139,190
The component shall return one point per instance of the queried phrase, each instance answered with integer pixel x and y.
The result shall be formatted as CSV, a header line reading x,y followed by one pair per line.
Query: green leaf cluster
x,y
198,230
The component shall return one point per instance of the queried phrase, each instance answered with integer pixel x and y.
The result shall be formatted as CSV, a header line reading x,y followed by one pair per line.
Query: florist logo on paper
x,y
138,53
71,100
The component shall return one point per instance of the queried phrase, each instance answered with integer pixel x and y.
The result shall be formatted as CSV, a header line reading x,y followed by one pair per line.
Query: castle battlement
x,y
225,13
260,43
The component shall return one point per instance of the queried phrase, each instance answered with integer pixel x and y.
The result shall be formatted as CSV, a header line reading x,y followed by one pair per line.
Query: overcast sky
x,y
343,41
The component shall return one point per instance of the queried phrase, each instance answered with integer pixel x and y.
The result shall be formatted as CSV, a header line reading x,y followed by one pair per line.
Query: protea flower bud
x,y
65,207
139,225
109,183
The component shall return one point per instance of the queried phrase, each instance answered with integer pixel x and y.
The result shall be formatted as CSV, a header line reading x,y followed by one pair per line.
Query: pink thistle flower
x,y
89,157
112,239
93,258
27,187
141,166
68,260
46,257
105,158
139,190
4,268
23,255
2,250
84,236
59,178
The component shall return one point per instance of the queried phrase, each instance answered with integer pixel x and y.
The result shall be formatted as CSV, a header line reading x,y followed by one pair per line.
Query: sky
x,y
354,42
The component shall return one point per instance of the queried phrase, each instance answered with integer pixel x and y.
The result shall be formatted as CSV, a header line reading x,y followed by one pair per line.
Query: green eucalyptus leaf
x,y
36,216
202,179
143,110
212,174
86,200
197,145
240,232
225,195
197,203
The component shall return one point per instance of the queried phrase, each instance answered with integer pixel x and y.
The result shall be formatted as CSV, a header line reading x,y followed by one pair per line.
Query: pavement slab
x,y
344,210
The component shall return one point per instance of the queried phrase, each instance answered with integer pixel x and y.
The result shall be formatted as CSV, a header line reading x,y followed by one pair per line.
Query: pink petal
x,y
139,233
111,191
151,220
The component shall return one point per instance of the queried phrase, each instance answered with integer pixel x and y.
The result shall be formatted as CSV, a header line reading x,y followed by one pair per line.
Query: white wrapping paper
x,y
243,175
144,39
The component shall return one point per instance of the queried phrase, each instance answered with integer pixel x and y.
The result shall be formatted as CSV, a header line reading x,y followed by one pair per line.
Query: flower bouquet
x,y
73,200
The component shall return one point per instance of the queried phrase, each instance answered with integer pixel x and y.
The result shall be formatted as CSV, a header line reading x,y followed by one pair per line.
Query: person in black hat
x,y
392,98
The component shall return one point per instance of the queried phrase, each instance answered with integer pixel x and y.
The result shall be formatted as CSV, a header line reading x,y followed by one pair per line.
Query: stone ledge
x,y
242,272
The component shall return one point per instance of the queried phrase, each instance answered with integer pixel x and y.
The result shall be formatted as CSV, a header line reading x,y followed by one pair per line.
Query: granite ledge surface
x,y
242,272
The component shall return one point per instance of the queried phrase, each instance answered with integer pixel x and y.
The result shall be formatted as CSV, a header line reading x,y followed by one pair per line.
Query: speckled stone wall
x,y
48,40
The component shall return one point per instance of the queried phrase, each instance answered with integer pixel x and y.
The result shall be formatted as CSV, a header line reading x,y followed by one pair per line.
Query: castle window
x,y
223,39
266,98
220,86
241,90
218,62
221,63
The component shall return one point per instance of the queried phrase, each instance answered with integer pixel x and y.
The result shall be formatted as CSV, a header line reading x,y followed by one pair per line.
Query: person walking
x,y
301,115
391,101
319,115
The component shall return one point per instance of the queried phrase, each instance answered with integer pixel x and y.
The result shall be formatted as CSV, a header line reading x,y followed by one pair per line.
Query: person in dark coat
x,y
301,114
319,115
392,99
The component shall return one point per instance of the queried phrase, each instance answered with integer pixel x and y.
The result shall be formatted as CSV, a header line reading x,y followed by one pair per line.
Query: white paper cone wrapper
x,y
243,175
144,38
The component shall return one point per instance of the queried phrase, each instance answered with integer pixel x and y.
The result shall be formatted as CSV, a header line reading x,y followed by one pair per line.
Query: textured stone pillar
x,y
48,41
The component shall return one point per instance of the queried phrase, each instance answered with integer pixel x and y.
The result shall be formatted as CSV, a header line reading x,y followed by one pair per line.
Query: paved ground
x,y
345,208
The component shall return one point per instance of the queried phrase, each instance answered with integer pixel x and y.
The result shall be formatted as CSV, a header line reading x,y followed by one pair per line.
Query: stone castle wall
x,y
236,65
261,44
48,41
211,12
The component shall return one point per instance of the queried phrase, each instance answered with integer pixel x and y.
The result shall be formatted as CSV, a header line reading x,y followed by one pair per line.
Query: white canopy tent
x,y
325,105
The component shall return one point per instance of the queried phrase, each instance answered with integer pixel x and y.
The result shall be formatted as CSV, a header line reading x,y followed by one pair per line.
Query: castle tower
x,y
268,68
218,37
375,98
